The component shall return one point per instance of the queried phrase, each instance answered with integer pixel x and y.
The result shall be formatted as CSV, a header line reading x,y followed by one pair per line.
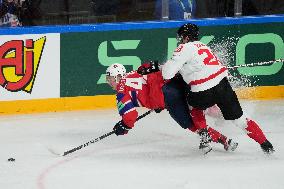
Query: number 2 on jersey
x,y
211,59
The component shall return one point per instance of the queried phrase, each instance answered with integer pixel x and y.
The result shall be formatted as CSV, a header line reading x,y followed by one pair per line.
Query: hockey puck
x,y
11,159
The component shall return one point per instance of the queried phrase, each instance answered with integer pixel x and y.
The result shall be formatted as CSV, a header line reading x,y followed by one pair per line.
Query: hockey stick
x,y
96,139
256,64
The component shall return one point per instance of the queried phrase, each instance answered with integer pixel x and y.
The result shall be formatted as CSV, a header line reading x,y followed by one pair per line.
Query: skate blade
x,y
233,147
206,150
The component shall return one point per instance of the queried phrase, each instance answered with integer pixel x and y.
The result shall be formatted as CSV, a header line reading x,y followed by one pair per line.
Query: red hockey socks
x,y
198,118
254,131
193,128
199,122
215,135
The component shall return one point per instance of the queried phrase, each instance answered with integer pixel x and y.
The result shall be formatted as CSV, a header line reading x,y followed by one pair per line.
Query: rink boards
x,y
59,68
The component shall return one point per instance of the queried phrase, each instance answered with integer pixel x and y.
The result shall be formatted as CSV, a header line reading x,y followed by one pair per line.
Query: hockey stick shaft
x,y
101,137
257,64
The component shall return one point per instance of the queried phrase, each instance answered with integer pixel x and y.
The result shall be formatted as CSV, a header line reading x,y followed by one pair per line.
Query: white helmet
x,y
115,70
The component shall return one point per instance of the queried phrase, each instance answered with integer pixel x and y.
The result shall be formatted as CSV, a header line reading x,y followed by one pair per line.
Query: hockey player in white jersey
x,y
208,84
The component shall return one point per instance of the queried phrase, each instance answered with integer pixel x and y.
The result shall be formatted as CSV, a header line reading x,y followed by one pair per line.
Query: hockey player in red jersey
x,y
137,90
208,84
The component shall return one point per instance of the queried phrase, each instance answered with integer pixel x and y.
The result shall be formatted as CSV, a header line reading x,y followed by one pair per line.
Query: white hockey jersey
x,y
197,64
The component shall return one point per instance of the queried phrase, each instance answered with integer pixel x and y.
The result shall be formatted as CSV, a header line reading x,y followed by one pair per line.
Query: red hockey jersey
x,y
135,90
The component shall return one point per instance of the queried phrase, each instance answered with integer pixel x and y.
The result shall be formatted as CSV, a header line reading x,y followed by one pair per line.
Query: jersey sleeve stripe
x,y
129,111
134,98
119,96
125,108
120,105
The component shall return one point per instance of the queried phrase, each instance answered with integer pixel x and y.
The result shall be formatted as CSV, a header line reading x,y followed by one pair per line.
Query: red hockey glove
x,y
120,128
148,67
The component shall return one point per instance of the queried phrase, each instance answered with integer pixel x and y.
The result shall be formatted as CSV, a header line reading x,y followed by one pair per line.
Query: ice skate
x,y
267,147
229,144
205,141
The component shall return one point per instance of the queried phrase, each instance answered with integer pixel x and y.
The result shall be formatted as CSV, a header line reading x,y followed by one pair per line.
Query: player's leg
x,y
201,101
231,110
253,130
176,104
200,123
216,136
178,109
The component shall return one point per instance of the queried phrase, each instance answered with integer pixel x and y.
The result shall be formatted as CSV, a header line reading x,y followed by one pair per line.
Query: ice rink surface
x,y
156,154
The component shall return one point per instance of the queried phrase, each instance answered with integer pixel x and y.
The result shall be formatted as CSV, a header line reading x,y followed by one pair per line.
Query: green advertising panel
x,y
86,55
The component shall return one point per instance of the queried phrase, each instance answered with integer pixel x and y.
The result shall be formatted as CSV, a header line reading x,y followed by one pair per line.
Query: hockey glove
x,y
148,67
120,128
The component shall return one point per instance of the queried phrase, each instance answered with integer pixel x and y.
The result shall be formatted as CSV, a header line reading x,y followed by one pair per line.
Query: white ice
x,y
156,154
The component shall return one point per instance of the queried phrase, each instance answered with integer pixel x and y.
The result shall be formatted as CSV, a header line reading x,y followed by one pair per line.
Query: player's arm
x,y
174,65
128,113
